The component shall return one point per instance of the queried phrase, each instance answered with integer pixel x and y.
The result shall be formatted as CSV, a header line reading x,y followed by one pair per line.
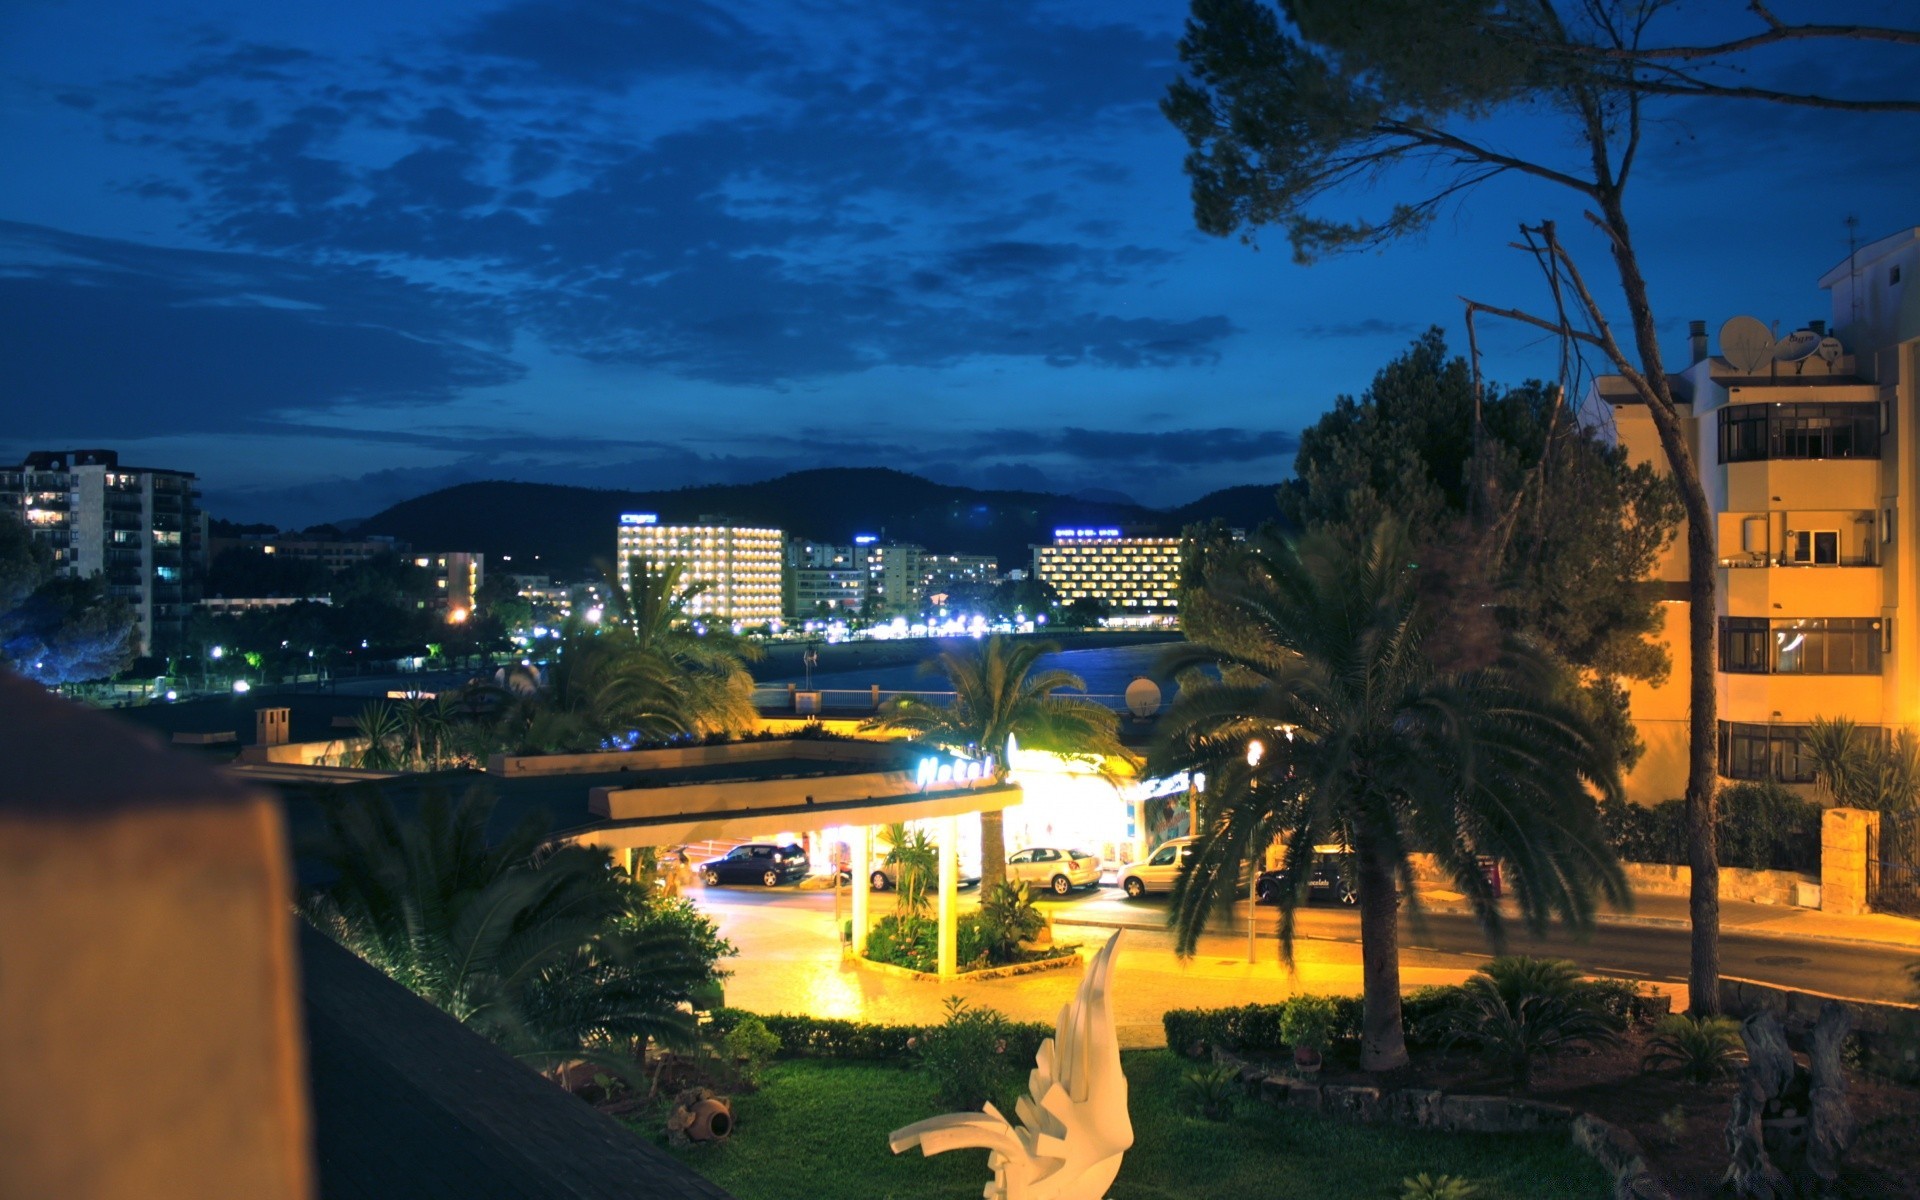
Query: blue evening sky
x,y
330,256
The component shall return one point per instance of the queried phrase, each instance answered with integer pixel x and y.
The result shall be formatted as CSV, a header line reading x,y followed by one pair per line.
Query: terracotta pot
x,y
1306,1060
712,1122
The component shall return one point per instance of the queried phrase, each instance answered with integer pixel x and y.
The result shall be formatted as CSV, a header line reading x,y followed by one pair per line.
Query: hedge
x,y
1254,1029
867,1041
1762,826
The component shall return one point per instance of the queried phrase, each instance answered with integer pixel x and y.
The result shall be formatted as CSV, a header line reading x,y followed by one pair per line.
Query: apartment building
x,y
823,579
140,528
1805,443
1134,576
740,565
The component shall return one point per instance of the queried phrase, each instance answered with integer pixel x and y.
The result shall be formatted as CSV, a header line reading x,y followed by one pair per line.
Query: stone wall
x,y
1736,883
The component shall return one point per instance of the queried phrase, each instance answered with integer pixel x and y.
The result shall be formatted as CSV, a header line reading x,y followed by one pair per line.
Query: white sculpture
x,y
1073,1120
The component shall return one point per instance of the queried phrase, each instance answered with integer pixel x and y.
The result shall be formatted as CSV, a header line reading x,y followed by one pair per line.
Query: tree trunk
x,y
1383,1039
1830,1125
1703,565
993,849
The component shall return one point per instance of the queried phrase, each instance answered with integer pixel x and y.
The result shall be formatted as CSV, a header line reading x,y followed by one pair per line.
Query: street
x,y
1328,938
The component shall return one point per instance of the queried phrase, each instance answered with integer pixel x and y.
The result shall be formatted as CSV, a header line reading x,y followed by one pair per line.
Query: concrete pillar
x,y
859,868
949,941
1845,835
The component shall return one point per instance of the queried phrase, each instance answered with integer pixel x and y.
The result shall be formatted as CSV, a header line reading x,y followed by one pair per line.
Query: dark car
x,y
756,862
1332,878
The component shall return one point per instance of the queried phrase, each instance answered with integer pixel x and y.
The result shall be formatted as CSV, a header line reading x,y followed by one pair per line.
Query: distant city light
x,y
172,695
218,652
241,687
1103,532
635,519
457,615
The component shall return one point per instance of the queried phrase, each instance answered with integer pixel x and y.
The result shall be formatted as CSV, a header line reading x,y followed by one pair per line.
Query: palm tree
x,y
998,695
1318,713
653,608
550,951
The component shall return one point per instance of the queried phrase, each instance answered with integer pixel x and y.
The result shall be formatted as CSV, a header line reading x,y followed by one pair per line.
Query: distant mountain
x,y
560,531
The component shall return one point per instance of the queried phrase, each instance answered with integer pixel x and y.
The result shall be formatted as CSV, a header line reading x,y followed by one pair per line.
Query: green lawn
x,y
818,1131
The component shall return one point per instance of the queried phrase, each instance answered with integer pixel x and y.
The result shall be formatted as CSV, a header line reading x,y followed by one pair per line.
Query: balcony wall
x,y
1822,483
1803,591
1797,699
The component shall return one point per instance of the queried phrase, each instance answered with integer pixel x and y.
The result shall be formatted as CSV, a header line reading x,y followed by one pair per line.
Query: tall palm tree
x,y
997,694
1318,712
551,952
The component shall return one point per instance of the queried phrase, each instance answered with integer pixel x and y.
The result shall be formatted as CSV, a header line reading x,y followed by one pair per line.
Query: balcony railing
x,y
1745,561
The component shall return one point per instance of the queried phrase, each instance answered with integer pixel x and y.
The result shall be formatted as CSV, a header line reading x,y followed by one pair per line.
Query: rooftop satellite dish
x,y
1143,697
1799,344
1830,349
1747,344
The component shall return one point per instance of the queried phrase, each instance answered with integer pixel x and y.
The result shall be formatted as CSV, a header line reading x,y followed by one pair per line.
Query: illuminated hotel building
x,y
139,528
740,566
1132,575
1807,451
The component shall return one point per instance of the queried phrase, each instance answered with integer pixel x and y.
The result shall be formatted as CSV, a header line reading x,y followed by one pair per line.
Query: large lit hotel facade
x,y
740,565
1807,451
1136,577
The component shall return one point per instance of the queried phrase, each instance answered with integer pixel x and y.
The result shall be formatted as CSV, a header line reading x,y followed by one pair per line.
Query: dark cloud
x,y
107,338
1365,328
609,43
1178,447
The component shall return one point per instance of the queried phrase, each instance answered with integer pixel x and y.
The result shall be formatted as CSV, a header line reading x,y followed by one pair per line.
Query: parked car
x,y
1159,870
756,862
886,876
1332,878
1060,871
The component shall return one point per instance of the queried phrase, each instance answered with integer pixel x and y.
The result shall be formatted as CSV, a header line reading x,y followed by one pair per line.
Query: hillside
x,y
558,530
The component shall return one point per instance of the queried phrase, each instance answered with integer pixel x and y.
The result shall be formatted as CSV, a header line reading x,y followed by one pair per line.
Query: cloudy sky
x,y
331,256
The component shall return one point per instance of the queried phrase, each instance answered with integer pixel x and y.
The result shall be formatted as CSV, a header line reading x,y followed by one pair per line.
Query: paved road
x,y
1329,936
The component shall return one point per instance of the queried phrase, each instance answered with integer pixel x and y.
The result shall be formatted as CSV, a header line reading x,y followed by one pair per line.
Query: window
x,y
1820,547
1774,752
1893,275
1800,646
1163,856
1757,432
1024,856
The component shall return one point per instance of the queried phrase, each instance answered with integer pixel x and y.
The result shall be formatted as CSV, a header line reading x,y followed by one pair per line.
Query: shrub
x,y
1006,918
749,1046
1308,1022
1699,1051
1209,1092
1520,975
1762,827
1523,1015
1436,1187
861,1041
1765,827
967,1056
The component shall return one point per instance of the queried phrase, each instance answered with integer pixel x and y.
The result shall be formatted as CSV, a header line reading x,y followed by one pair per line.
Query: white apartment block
x,y
139,528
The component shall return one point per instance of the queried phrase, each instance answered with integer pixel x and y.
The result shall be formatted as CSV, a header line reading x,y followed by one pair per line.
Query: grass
x,y
819,1129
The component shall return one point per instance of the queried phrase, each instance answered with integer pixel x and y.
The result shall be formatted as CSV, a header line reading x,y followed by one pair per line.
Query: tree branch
x,y
1426,135
1699,87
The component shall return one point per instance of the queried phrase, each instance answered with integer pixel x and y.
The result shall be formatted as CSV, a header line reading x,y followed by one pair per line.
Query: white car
x,y
1159,871
1060,871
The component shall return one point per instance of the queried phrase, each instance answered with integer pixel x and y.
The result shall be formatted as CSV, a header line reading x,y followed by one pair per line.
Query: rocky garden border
x,y
1615,1149
1058,963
